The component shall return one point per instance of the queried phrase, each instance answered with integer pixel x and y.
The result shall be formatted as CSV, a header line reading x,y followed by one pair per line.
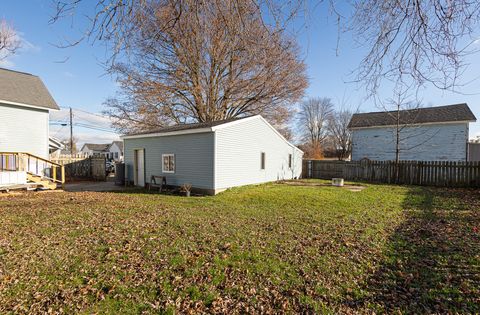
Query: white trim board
x,y
165,134
27,105
416,124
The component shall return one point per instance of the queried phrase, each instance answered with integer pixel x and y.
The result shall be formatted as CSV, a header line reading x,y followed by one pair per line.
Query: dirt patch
x,y
354,188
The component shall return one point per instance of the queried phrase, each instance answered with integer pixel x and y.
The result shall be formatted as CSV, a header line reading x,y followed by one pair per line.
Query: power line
x,y
93,127
83,125
86,112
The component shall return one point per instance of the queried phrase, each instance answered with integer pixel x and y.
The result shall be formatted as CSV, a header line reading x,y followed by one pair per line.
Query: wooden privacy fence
x,y
428,173
83,167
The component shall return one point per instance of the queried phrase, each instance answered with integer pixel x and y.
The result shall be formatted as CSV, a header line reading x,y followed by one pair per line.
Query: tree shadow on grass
x,y
432,262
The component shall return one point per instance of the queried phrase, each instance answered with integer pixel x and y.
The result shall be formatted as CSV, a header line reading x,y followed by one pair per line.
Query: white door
x,y
139,179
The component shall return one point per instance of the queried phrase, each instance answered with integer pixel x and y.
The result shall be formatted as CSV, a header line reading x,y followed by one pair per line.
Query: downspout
x,y
214,161
467,136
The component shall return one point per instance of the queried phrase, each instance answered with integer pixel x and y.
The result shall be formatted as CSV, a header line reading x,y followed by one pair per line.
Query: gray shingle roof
x,y
24,88
191,126
118,143
439,114
97,146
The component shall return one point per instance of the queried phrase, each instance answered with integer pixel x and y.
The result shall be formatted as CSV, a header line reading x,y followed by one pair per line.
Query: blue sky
x,y
76,78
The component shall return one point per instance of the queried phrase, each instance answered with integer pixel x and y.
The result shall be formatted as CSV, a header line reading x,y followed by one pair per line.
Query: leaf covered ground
x,y
272,248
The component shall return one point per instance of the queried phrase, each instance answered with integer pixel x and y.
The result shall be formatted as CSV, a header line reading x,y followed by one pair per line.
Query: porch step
x,y
44,183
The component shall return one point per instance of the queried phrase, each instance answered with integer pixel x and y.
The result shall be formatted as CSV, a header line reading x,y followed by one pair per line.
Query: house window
x,y
168,163
262,161
290,161
116,155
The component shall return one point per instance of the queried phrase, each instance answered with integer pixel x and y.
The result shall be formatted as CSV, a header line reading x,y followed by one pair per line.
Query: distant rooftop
x,y
97,146
191,126
24,88
438,114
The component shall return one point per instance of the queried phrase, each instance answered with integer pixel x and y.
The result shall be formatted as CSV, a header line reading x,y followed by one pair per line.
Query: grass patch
x,y
266,248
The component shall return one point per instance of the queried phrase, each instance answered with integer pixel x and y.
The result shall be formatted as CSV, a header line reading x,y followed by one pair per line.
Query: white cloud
x,y
27,46
6,59
83,122
96,119
95,137
6,63
68,74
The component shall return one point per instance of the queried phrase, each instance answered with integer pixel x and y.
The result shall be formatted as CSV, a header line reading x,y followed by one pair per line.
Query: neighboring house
x,y
112,151
427,134
115,151
212,156
25,104
95,149
55,147
474,151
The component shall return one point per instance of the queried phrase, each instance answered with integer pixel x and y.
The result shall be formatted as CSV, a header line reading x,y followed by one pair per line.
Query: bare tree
x,y
416,40
67,143
314,116
193,61
9,40
340,134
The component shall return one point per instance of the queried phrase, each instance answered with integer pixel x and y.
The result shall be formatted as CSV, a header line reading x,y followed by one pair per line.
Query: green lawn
x,y
258,249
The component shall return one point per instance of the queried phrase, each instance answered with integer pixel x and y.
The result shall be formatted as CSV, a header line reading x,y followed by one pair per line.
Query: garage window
x,y
168,163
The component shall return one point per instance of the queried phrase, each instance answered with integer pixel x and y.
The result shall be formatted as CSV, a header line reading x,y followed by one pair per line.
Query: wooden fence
x,y
428,173
80,166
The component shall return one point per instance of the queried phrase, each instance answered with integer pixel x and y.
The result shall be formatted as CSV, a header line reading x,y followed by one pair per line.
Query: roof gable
x,y
119,145
24,89
103,147
185,127
204,127
439,114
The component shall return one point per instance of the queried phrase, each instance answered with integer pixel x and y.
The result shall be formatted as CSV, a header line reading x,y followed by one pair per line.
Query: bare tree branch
x,y
202,61
9,40
314,115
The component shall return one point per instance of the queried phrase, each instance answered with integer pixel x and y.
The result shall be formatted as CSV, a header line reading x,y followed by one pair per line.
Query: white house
x,y
25,104
95,149
115,151
426,134
212,156
112,151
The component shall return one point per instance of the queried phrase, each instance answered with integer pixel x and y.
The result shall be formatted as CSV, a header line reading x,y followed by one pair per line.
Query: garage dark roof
x,y
24,88
439,114
191,126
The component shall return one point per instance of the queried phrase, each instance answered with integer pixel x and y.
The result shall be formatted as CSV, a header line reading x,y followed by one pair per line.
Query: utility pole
x,y
71,131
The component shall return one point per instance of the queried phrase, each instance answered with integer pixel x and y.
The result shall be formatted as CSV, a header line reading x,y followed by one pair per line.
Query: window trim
x,y
263,158
171,155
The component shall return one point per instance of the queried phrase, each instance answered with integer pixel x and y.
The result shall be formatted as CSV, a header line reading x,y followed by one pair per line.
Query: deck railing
x,y
35,165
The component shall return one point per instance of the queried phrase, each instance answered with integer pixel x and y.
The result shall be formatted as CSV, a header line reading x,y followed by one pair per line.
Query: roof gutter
x,y
27,105
166,134
415,124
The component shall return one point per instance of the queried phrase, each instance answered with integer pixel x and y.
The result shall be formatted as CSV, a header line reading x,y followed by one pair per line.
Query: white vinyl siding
x,y
193,158
215,160
435,142
238,156
24,129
